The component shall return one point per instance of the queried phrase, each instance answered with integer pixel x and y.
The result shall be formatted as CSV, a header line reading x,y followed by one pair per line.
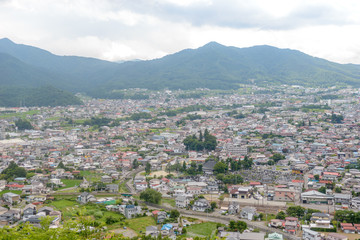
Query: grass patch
x,y
91,175
205,229
169,201
18,114
63,204
123,188
70,183
140,224
12,191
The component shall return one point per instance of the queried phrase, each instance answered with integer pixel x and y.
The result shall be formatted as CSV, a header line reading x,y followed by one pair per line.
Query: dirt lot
x,y
125,232
161,173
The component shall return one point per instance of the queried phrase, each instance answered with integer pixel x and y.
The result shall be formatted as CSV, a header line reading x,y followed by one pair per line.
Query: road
x,y
215,217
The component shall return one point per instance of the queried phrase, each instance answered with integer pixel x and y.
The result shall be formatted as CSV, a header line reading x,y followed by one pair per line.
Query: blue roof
x,y
167,226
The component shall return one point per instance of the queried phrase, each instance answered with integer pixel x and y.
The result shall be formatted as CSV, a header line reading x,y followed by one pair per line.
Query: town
x,y
254,163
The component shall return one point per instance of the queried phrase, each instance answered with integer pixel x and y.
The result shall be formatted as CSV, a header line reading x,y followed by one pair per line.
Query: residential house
x,y
141,186
106,179
159,216
9,217
320,220
237,191
291,225
152,231
355,202
336,236
11,198
131,211
310,235
86,197
201,205
277,223
316,197
274,236
248,213
85,184
286,195
341,198
3,210
242,236
233,208
29,210
208,167
113,188
46,210
347,227
181,201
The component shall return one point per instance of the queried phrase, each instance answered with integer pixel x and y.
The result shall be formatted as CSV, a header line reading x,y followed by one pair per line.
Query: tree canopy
x,y
23,124
13,171
150,195
205,141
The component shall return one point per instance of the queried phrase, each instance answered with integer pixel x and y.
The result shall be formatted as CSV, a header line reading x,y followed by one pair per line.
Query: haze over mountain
x,y
212,66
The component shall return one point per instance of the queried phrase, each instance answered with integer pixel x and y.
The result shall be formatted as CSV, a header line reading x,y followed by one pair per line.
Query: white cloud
x,y
146,29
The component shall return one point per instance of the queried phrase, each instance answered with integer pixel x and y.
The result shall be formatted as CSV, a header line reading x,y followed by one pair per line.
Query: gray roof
x,y
341,195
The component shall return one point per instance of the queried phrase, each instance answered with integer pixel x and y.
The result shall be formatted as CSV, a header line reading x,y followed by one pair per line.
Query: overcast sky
x,y
146,29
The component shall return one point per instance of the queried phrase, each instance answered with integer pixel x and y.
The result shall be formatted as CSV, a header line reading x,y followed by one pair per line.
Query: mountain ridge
x,y
213,66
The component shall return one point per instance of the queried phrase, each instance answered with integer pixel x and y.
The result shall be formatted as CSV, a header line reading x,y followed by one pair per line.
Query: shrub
x,y
98,214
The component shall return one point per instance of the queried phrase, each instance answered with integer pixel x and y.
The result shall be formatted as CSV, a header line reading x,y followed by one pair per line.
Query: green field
x,y
169,201
91,175
140,224
19,115
63,204
71,209
13,191
70,183
205,229
123,188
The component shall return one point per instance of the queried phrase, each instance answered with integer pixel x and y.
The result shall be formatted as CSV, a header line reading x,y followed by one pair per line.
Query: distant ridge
x,y
212,66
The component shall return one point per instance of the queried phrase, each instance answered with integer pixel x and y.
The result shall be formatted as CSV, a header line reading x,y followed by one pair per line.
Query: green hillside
x,y
38,96
212,66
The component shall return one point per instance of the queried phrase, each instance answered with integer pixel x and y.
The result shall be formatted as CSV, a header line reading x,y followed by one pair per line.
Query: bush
x,y
110,220
98,214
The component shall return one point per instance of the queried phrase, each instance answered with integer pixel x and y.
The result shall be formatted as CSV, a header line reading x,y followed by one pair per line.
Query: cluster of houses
x,y
31,214
318,154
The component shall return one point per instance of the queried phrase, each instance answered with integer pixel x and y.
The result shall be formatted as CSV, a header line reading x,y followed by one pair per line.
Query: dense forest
x,y
40,96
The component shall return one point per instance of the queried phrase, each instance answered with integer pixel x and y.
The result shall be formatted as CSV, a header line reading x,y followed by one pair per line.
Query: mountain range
x,y
25,68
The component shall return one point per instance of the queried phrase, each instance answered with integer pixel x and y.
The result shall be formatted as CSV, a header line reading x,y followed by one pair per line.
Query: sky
x,y
118,30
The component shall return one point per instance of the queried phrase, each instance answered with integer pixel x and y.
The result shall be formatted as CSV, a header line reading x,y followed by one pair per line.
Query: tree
x,y
213,205
184,166
13,171
335,118
277,157
280,215
322,189
338,189
295,211
239,225
206,141
150,195
110,220
23,124
174,213
200,168
247,163
317,177
135,164
147,168
220,167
